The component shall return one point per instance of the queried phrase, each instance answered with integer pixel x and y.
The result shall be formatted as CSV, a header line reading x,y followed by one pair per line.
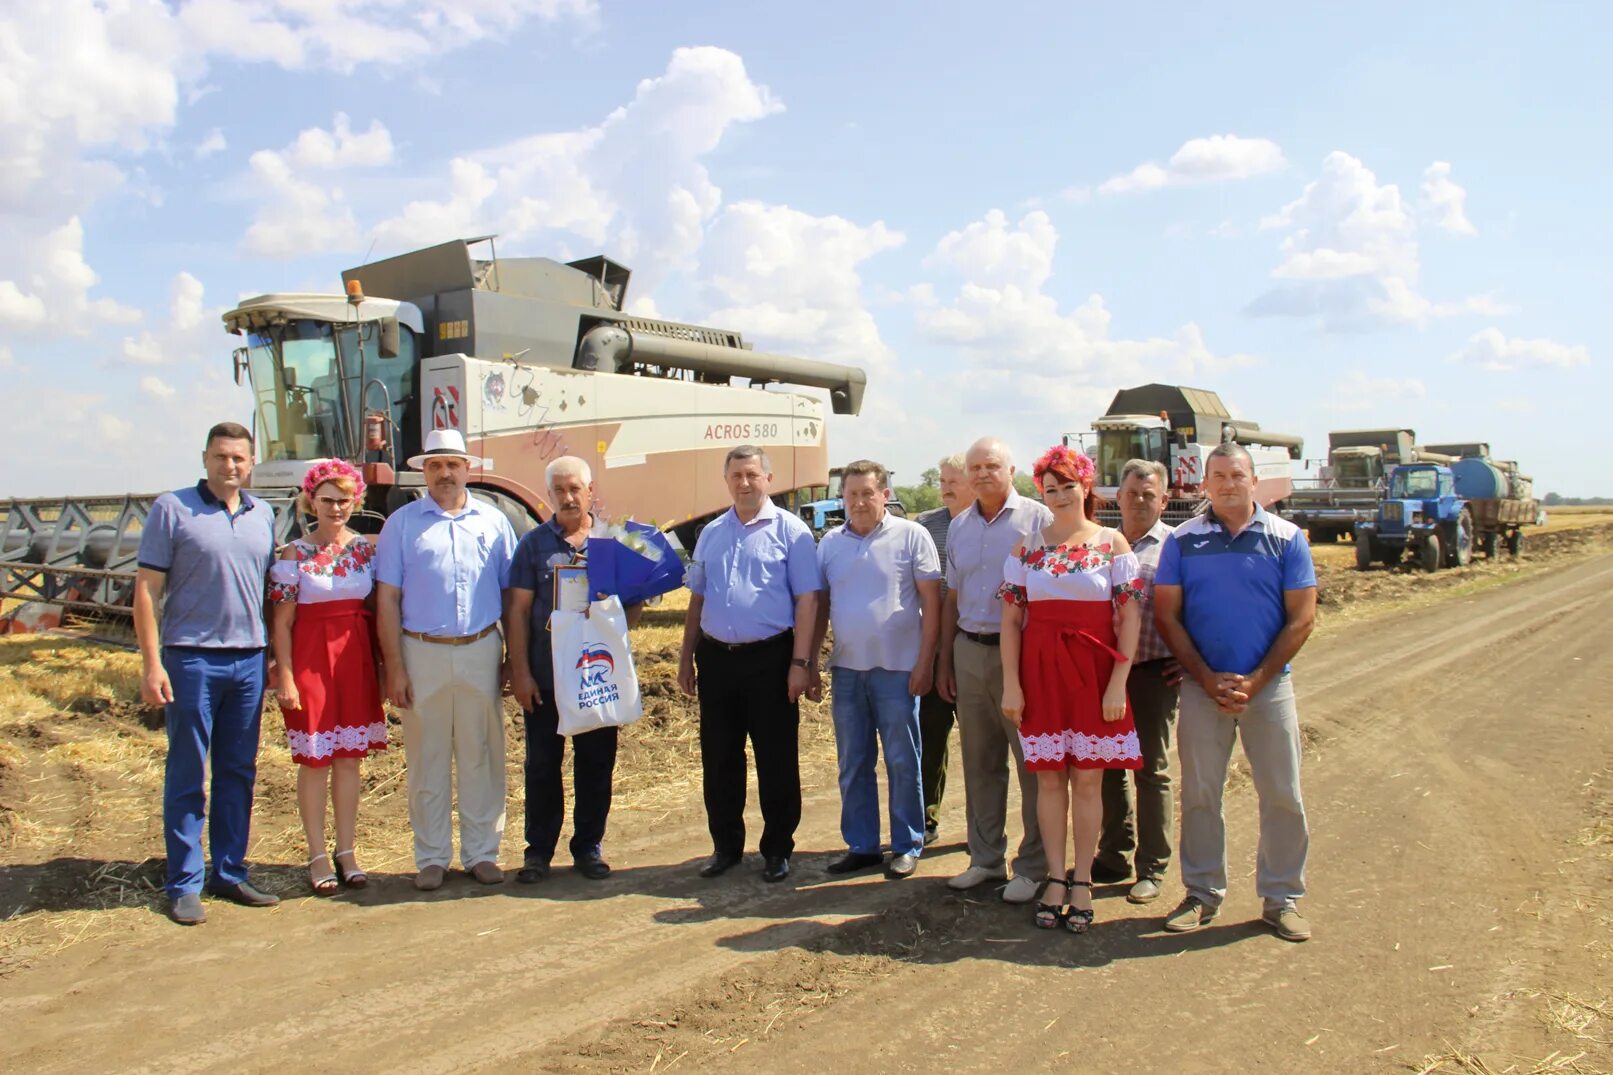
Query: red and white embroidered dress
x,y
1067,652
332,651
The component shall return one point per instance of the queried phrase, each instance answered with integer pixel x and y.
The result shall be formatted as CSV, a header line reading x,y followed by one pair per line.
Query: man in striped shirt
x,y
1151,688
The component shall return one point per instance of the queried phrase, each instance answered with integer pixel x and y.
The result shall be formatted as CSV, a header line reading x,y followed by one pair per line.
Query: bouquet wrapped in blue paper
x,y
635,563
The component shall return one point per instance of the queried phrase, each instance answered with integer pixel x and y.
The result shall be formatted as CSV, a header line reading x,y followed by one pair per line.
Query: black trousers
x,y
1153,705
593,760
936,717
744,694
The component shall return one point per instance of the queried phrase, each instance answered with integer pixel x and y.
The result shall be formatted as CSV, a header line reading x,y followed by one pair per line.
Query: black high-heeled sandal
x,y
1051,915
1077,920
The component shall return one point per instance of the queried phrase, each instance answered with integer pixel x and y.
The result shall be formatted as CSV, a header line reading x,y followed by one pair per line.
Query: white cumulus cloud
x,y
1358,391
1023,351
1444,202
156,387
1351,255
302,208
1216,158
633,182
51,293
1490,349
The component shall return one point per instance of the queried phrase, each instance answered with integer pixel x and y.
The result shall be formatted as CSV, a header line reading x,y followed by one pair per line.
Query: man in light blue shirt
x,y
979,541
883,581
441,566
747,653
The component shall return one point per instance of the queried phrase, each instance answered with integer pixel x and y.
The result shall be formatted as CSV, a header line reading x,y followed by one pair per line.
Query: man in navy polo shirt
x,y
208,548
1235,599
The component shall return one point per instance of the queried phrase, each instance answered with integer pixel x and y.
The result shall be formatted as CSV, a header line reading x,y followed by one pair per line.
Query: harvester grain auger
x,y
528,358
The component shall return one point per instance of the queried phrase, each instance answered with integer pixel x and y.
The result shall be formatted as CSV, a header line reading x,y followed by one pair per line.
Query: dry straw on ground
x,y
81,761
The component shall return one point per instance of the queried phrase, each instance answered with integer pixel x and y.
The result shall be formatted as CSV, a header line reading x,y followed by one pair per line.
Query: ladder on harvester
x,y
69,562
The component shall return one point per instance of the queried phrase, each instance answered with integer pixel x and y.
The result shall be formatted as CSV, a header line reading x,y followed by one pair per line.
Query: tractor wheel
x,y
1490,544
1364,552
1462,552
1432,552
1515,543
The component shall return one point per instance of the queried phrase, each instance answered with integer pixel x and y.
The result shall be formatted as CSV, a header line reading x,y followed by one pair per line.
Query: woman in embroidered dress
x,y
1064,673
324,647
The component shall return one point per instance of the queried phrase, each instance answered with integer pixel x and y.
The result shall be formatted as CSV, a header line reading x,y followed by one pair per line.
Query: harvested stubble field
x,y
1458,772
81,763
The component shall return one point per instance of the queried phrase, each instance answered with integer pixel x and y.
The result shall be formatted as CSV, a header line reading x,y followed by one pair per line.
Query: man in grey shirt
x,y
979,541
936,714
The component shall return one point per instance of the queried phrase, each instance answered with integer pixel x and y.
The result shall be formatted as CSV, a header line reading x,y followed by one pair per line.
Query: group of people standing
x,y
1046,637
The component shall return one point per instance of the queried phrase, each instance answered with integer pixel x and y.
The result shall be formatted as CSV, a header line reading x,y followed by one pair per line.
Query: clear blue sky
x,y
1337,217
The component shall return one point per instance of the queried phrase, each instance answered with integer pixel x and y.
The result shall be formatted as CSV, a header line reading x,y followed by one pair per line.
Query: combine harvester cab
x,y
529,358
1178,427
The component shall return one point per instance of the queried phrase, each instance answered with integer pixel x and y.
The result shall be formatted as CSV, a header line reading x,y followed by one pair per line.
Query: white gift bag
x,y
595,683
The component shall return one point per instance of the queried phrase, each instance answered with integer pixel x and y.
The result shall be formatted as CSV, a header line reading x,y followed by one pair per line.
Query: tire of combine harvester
x,y
520,519
1432,552
1490,544
1515,544
1364,553
1462,551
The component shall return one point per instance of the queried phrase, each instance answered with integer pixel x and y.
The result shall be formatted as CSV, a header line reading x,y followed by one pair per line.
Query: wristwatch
x,y
800,662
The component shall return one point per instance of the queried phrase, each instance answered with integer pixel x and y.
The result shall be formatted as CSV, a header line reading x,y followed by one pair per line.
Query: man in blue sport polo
x,y
208,550
883,582
1235,599
747,653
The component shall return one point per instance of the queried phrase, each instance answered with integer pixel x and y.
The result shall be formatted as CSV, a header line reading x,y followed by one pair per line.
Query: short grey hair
x,y
746,451
1230,449
993,445
1145,468
956,461
567,464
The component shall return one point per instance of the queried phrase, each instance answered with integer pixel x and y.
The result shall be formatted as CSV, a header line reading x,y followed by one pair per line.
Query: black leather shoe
x,y
852,861
1104,874
531,872
719,863
930,836
591,866
776,869
187,909
246,894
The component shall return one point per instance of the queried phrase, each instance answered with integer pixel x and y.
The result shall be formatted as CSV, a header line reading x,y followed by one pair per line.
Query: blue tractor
x,y
1421,513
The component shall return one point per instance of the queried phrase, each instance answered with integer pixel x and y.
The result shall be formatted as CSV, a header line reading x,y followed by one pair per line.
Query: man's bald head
x,y
991,472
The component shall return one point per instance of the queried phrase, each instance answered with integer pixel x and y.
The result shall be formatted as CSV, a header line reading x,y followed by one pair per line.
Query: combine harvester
x,y
1350,484
1178,427
529,358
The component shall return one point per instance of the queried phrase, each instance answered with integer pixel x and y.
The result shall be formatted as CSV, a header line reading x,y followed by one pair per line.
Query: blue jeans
x,y
217,708
867,704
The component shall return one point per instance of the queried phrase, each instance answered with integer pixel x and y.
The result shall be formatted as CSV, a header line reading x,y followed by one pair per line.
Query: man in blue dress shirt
x,y
753,602
441,566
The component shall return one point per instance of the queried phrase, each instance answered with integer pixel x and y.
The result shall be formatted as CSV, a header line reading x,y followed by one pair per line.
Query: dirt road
x,y
1458,772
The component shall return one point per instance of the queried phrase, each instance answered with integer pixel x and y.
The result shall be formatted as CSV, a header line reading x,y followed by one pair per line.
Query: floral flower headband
x,y
332,469
1063,462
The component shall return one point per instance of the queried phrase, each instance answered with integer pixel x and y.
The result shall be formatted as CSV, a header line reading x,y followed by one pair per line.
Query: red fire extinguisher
x,y
375,431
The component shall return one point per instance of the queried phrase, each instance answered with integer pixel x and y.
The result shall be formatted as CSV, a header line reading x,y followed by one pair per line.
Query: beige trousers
x,y
457,720
991,748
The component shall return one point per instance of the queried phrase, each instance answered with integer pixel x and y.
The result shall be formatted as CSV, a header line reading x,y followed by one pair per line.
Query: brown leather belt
x,y
454,640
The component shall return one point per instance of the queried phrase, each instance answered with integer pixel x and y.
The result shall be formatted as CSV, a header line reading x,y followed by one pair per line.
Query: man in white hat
x,y
442,564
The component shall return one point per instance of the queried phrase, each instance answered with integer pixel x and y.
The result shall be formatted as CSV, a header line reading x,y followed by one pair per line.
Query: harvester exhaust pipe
x,y
607,348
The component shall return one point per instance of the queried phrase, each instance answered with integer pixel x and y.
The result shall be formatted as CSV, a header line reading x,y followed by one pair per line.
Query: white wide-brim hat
x,y
444,442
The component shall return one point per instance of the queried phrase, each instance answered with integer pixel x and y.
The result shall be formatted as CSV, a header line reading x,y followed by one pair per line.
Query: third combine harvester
x,y
529,358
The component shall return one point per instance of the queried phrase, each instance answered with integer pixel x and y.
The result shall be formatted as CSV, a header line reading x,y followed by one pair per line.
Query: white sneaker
x,y
1020,890
975,875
